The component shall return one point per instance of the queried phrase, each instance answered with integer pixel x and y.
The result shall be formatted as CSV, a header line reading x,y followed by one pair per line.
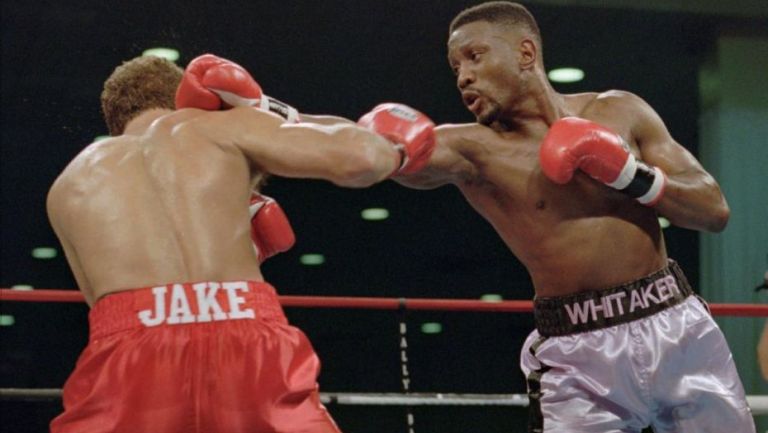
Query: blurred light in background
x,y
374,214
491,297
7,320
44,253
431,328
565,75
165,53
312,259
664,223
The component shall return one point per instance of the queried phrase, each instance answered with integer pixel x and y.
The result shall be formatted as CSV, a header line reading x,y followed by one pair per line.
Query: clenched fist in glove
x,y
213,83
573,143
412,133
271,231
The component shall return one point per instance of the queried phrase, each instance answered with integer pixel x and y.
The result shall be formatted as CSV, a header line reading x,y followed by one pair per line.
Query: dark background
x,y
339,57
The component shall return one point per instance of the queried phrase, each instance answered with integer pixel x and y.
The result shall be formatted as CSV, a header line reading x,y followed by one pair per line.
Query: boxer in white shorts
x,y
574,185
646,353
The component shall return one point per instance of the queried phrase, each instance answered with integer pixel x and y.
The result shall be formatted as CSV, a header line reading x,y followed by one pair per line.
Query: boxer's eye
x,y
476,53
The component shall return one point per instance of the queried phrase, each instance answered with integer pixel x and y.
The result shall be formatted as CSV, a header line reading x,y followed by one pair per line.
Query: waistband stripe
x,y
205,302
588,311
184,303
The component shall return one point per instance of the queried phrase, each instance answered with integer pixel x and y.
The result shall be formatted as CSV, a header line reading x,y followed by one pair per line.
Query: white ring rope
x,y
758,403
425,399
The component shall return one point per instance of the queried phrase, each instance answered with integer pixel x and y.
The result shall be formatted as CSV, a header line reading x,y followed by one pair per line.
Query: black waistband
x,y
588,311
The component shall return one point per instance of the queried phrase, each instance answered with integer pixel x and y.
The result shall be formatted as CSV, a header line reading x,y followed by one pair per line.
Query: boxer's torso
x,y
161,206
571,238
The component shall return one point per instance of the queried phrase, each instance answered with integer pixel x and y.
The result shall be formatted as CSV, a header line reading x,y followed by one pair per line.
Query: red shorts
x,y
203,357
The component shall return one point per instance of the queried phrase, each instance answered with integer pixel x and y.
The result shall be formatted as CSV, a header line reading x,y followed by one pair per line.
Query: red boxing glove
x,y
271,231
412,132
214,83
573,143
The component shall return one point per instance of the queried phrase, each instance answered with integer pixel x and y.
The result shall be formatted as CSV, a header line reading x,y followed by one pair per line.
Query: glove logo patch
x,y
403,113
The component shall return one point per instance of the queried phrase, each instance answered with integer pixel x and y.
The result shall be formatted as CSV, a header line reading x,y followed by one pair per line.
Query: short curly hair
x,y
135,86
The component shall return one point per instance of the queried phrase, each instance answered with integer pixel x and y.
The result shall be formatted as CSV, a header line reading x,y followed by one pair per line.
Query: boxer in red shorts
x,y
185,335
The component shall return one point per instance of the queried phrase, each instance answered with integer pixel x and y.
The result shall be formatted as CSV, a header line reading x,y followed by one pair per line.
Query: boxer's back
x,y
153,208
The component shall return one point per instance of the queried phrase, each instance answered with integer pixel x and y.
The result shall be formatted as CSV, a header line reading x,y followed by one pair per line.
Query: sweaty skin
x,y
168,200
575,237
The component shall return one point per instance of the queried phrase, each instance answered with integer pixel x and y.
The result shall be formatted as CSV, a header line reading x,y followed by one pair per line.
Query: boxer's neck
x,y
141,123
538,105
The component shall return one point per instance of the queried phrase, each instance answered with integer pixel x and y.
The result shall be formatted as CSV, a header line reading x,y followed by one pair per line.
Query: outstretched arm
x,y
346,155
325,119
343,153
451,161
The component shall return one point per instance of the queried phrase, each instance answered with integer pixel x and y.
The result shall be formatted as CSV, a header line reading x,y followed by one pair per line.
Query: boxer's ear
x,y
528,53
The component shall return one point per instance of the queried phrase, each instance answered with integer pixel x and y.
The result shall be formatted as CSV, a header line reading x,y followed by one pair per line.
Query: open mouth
x,y
471,100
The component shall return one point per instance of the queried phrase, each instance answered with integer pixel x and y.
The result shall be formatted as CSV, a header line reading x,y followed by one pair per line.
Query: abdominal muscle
x,y
600,257
573,238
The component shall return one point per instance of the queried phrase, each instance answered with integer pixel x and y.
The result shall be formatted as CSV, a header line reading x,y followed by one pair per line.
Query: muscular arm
x,y
692,198
324,119
344,154
449,163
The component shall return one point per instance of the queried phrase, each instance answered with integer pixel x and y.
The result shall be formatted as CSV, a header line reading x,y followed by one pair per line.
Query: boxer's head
x,y
493,48
138,85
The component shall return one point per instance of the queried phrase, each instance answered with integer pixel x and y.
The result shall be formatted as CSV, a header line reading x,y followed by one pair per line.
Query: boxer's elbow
x,y
711,219
720,212
700,205
719,218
